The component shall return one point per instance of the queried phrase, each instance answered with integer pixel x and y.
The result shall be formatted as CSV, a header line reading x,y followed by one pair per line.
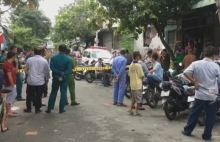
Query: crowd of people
x,y
37,70
204,74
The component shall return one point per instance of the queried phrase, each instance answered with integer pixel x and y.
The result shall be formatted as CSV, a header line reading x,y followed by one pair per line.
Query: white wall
x,y
139,45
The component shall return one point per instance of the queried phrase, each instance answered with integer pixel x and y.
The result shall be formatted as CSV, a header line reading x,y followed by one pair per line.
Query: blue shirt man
x,y
205,74
156,74
119,69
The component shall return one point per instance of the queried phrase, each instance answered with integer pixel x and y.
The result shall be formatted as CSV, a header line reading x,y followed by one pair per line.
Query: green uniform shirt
x,y
61,66
73,62
179,58
2,60
166,63
19,63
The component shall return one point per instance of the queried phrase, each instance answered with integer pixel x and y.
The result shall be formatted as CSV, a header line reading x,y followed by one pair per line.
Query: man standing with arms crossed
x,y
19,83
205,74
119,69
38,72
71,83
61,67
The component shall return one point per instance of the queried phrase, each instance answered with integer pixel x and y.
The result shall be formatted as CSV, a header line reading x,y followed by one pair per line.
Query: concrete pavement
x,y
97,120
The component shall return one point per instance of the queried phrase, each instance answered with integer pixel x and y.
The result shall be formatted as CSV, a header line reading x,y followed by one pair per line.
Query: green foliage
x,y
72,21
134,16
29,27
18,3
22,37
127,42
34,19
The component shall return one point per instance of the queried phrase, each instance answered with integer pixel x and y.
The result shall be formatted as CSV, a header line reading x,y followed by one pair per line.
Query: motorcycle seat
x,y
166,83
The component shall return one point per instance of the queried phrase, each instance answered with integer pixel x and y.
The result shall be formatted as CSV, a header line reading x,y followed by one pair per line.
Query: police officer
x,y
61,67
119,69
71,83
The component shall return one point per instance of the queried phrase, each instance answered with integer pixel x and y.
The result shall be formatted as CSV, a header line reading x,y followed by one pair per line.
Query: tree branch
x,y
2,12
159,31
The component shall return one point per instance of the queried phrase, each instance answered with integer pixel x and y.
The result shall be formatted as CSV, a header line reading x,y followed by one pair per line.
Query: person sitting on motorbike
x,y
156,74
148,56
80,62
101,73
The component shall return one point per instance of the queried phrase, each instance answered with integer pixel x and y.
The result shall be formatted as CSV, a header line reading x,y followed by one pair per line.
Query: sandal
x,y
2,131
138,114
12,115
130,112
121,105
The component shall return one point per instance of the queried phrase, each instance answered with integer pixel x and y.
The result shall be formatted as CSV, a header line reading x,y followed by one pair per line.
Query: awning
x,y
203,3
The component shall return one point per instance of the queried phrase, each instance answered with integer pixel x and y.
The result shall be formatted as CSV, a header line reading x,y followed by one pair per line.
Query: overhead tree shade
x,y
134,16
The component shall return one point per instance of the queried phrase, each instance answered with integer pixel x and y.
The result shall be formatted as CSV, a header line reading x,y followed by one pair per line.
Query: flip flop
x,y
12,115
130,112
138,114
2,131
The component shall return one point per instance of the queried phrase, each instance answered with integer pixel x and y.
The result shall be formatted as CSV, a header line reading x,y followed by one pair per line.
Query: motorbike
x,y
152,95
3,91
202,117
177,96
90,75
79,75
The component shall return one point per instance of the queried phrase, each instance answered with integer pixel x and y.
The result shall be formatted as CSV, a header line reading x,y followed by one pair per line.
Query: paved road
x,y
96,120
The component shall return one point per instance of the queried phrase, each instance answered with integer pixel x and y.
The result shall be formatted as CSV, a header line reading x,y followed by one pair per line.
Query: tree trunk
x,y
169,50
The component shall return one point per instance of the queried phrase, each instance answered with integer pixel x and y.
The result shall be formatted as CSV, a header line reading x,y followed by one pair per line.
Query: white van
x,y
94,53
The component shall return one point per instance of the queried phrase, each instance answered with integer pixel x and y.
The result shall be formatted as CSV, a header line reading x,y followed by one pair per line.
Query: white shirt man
x,y
38,73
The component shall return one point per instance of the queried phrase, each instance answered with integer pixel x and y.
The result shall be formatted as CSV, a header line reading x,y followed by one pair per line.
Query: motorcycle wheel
x,y
169,112
128,91
202,118
89,77
151,99
77,77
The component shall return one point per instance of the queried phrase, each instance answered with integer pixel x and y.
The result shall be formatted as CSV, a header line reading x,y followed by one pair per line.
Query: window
x,y
101,54
171,39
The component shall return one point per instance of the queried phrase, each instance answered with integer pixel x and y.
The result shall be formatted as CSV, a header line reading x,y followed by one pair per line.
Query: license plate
x,y
165,93
164,100
191,99
191,105
145,87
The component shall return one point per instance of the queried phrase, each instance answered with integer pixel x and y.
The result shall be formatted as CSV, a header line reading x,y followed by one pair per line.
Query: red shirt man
x,y
8,67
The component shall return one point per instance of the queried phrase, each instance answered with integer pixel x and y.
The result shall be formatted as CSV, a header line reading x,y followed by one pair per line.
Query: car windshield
x,y
101,54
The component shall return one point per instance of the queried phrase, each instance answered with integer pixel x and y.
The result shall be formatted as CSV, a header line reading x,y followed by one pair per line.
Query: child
x,y
136,76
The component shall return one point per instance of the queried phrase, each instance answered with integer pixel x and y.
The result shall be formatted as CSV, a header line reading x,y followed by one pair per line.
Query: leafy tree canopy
x,y
19,3
72,22
22,37
134,16
34,19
